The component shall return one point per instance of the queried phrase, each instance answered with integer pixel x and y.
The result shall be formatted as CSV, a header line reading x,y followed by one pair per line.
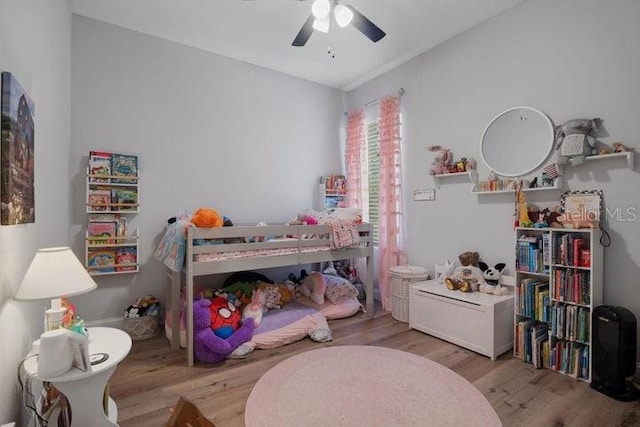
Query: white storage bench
x,y
474,320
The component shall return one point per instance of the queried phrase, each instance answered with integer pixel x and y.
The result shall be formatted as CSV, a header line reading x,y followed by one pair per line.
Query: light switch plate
x,y
428,194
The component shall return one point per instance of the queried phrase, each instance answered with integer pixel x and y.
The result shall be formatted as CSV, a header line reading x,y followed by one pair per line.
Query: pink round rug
x,y
365,386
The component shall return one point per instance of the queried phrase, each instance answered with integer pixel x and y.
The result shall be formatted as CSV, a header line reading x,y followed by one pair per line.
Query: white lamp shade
x,y
321,24
320,9
55,273
343,15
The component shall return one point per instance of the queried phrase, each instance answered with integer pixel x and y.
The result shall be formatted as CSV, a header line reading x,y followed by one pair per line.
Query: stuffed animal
x,y
492,277
209,347
225,317
467,277
207,218
443,160
314,287
619,147
276,294
447,270
574,140
256,308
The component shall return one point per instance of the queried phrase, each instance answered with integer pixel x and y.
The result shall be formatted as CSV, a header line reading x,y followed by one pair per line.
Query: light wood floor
x,y
152,378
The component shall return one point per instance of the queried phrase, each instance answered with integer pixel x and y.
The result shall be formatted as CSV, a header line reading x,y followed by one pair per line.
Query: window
x,y
371,185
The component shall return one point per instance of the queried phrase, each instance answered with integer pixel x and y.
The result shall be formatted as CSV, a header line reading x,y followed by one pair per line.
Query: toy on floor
x,y
467,277
492,277
256,308
207,346
225,317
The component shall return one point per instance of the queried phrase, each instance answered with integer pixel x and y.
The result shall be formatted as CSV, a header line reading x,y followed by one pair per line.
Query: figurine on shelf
x,y
619,147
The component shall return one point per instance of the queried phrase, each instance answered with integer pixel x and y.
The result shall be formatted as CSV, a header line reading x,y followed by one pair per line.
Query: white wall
x,y
569,58
210,132
35,37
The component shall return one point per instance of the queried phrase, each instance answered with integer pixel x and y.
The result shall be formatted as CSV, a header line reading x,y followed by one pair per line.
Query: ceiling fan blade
x,y
305,32
365,26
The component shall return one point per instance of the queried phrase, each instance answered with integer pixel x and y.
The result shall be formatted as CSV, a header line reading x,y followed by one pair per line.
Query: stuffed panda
x,y
492,277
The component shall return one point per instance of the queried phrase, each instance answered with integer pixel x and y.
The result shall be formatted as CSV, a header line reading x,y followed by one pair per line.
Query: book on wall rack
x,y
96,222
101,260
124,199
126,255
124,166
102,232
99,199
99,164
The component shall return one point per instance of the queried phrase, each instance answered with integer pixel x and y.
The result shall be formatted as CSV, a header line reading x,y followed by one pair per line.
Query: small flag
x,y
552,171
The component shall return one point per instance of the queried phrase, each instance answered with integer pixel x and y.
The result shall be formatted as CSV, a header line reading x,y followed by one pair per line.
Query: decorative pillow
x,y
340,291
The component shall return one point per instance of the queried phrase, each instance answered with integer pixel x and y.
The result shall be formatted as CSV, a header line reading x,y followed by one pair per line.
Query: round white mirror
x,y
517,141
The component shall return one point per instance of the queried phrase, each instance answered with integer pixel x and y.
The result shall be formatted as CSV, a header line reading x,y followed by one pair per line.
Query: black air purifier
x,y
614,352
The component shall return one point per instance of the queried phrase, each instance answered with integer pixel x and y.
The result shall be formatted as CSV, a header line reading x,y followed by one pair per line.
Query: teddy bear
x,y
574,140
467,277
492,277
443,160
207,346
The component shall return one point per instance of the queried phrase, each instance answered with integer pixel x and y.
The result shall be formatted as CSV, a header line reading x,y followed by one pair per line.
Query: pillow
x,y
314,287
340,291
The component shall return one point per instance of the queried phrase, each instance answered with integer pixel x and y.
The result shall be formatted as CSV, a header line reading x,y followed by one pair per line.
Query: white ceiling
x,y
260,32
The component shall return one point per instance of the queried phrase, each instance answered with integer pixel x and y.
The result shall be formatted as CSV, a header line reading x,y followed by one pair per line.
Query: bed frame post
x,y
176,309
189,296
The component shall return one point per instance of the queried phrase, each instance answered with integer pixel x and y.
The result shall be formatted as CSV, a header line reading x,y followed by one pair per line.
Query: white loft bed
x,y
301,244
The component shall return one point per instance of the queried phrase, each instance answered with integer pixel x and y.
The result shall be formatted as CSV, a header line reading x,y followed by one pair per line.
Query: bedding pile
x,y
291,311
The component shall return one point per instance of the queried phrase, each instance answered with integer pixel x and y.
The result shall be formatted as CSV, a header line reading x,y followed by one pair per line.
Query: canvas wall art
x,y
16,154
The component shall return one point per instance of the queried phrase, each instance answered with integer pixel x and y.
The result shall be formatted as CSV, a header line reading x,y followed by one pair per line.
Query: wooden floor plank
x,y
151,379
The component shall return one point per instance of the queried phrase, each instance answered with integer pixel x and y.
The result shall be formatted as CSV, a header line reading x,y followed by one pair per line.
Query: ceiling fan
x,y
320,20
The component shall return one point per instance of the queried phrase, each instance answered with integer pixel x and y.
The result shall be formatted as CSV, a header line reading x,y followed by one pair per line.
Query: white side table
x,y
85,389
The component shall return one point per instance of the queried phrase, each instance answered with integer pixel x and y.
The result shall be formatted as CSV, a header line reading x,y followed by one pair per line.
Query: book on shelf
x,y
101,260
126,255
102,232
99,199
120,222
124,168
124,199
99,164
334,183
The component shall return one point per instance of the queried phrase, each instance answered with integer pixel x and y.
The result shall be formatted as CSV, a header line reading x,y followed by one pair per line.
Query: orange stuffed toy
x,y
207,218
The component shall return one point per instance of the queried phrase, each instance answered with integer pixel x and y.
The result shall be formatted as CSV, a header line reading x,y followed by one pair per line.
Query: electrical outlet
x,y
428,194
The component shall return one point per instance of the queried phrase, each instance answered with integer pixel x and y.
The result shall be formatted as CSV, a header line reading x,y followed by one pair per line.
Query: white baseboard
x,y
114,322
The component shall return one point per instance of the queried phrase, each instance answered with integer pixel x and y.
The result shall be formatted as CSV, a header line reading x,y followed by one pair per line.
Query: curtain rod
x,y
375,101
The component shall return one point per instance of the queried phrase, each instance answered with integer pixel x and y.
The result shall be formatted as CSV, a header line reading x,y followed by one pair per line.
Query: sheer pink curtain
x,y
391,240
353,158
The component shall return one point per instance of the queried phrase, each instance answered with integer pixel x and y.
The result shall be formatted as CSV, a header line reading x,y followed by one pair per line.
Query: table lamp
x,y
54,273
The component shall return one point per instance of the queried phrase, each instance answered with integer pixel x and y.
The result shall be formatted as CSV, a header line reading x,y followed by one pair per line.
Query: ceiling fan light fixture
x,y
343,15
321,8
321,25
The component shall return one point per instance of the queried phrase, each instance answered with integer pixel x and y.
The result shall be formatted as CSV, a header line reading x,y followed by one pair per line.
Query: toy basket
x,y
402,277
141,328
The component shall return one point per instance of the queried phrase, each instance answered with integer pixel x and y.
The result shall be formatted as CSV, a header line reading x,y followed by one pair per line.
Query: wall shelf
x,y
112,193
628,155
557,185
472,174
